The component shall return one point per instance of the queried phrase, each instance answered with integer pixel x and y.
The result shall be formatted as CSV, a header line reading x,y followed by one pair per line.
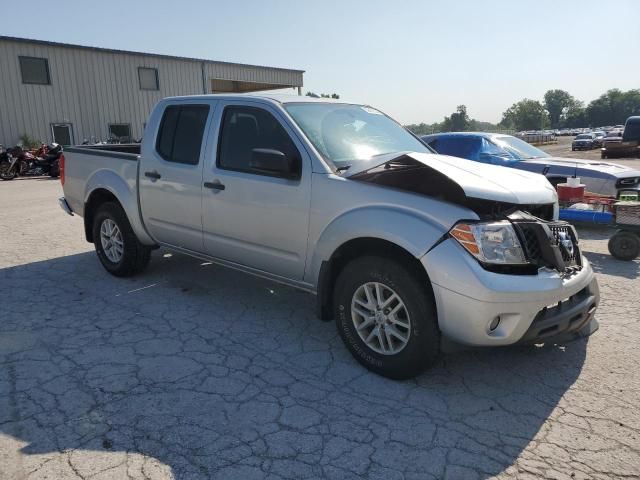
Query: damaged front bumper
x,y
478,307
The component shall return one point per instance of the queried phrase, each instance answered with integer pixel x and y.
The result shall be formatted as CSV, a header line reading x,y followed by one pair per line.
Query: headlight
x,y
493,242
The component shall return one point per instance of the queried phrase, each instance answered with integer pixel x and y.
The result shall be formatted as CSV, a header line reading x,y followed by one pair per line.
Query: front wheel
x,y
117,247
624,245
6,172
386,317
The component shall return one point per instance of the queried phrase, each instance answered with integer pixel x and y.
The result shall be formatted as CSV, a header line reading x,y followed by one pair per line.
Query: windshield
x,y
348,134
584,137
519,149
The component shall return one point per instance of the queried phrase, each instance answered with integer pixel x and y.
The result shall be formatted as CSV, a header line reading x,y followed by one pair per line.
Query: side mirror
x,y
275,163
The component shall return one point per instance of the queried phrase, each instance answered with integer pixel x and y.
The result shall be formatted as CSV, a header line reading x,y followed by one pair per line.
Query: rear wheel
x,y
386,317
6,172
117,247
624,245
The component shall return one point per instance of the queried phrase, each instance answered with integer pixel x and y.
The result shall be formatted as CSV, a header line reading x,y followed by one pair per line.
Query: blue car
x,y
599,177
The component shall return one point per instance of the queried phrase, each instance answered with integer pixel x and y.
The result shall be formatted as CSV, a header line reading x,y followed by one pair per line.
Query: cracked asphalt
x,y
192,371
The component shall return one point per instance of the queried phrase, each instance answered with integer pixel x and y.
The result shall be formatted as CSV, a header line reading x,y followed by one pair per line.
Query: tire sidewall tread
x,y
424,344
135,256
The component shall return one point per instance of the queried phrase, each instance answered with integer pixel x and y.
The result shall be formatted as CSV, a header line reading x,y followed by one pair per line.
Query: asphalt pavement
x,y
194,371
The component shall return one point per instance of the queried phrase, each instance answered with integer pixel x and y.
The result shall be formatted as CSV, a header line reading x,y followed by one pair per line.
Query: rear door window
x,y
181,132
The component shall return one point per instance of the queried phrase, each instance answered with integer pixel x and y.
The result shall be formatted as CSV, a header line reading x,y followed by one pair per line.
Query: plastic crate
x,y
628,213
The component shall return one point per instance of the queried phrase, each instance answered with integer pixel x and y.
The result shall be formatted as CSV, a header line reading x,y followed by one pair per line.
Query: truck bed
x,y
106,166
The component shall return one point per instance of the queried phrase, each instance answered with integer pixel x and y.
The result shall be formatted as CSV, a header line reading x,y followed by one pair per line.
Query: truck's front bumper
x,y
481,308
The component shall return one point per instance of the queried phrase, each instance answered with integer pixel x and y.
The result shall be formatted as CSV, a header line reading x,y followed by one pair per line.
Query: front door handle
x,y
214,185
154,175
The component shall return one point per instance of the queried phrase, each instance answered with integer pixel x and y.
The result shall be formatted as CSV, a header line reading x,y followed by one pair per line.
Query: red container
x,y
571,194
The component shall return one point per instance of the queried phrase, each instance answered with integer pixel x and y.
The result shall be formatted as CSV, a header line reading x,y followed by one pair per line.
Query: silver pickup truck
x,y
404,248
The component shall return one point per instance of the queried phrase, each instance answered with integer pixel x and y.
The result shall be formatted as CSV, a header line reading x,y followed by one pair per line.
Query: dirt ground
x,y
563,149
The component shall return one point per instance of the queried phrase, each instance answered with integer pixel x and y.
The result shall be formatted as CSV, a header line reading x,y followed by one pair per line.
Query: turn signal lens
x,y
462,232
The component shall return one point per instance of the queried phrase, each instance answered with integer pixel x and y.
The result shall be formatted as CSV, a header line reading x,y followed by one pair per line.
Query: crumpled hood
x,y
614,169
478,180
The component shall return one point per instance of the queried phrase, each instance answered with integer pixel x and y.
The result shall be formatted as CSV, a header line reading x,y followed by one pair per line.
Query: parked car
x,y
627,144
584,141
401,246
598,139
497,149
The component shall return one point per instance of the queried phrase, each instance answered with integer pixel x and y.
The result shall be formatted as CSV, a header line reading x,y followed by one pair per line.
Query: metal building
x,y
71,93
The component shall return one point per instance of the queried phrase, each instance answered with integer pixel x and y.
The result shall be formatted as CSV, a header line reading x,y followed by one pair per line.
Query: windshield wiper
x,y
344,168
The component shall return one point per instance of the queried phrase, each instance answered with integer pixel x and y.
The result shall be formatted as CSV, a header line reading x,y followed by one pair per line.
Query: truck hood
x,y
476,180
586,166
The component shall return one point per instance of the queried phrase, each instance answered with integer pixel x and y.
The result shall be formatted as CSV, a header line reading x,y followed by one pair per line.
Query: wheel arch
x,y
107,185
358,247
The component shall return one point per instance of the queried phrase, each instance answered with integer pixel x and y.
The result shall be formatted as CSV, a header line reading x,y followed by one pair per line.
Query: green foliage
x,y
29,142
322,95
557,103
526,114
613,107
559,110
458,121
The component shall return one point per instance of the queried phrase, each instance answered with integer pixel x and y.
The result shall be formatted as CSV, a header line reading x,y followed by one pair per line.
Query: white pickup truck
x,y
404,248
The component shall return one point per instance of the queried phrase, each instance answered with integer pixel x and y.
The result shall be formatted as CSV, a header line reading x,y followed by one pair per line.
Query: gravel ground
x,y
563,149
192,371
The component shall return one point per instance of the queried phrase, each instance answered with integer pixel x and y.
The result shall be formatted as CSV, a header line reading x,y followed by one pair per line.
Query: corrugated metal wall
x,y
91,89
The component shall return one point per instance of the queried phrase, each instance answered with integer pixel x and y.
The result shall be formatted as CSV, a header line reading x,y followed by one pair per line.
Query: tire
x,y
624,245
423,337
54,172
5,174
134,256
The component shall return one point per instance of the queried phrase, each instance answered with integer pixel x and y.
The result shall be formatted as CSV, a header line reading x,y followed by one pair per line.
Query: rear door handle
x,y
155,175
214,185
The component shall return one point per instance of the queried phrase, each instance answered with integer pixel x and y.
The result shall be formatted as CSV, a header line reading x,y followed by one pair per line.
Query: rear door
x,y
171,176
250,218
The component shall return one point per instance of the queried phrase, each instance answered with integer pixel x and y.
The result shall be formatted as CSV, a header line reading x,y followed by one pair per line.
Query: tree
x,y
556,103
574,116
525,115
613,107
459,120
322,95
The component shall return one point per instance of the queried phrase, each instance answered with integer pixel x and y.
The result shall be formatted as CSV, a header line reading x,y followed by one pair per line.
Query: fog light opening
x,y
494,324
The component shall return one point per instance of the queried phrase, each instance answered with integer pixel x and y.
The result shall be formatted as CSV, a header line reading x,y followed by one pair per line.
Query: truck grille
x,y
550,244
566,240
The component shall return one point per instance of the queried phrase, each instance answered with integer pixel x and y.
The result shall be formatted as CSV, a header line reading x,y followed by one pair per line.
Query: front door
x,y
62,133
250,217
171,177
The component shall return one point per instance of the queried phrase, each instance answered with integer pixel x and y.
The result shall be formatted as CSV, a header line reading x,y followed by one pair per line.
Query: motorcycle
x,y
18,162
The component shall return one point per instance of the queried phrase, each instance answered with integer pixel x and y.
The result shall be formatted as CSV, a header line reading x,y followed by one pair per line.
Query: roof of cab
x,y
273,97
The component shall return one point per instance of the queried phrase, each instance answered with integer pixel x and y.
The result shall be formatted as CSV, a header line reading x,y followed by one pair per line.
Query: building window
x,y
119,133
148,78
35,70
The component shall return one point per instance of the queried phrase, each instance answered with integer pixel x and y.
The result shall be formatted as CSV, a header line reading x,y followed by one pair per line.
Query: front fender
x,y
408,229
126,193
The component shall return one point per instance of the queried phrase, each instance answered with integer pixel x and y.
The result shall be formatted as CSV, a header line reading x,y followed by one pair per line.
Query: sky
x,y
415,60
